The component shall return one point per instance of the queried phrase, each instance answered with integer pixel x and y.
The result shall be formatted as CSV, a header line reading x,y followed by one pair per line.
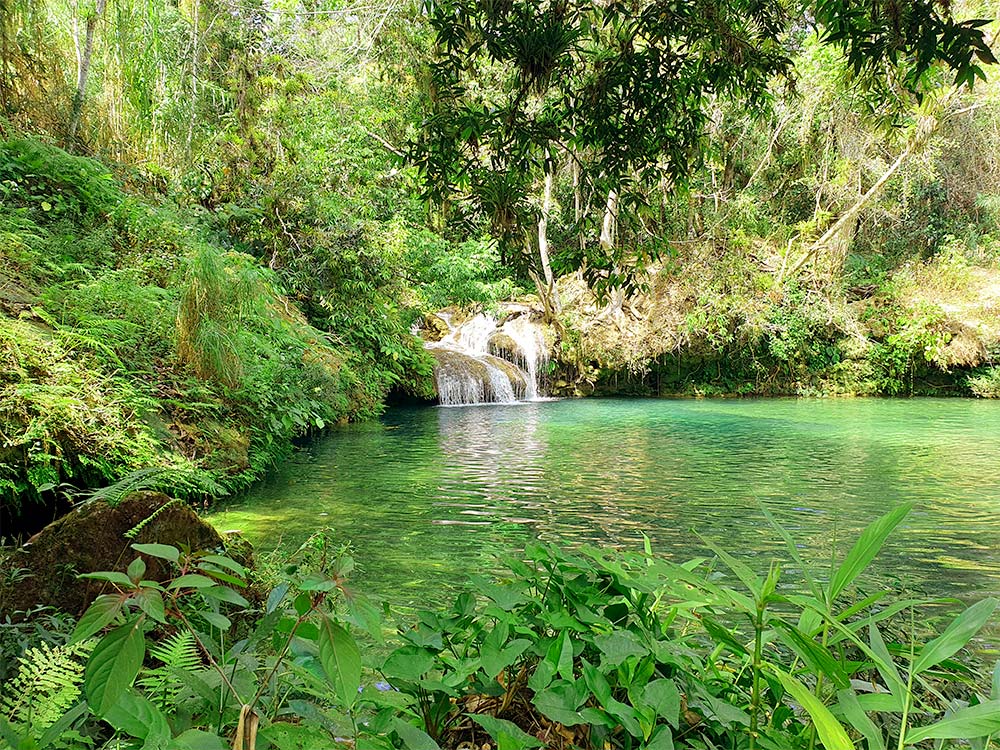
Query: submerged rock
x,y
503,346
92,537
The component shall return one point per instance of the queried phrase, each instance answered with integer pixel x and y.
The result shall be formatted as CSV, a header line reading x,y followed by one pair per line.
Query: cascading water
x,y
478,362
532,351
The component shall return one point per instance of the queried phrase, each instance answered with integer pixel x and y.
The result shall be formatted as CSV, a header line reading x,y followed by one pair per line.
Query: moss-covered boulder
x,y
97,536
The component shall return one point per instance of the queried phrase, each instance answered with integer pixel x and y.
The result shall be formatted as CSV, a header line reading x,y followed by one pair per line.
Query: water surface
x,y
428,496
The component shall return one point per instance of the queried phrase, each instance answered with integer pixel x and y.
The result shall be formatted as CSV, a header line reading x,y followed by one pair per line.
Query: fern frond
x,y
47,684
178,654
172,481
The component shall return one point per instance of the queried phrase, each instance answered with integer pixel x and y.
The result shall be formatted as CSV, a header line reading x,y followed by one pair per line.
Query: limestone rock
x,y
435,328
91,538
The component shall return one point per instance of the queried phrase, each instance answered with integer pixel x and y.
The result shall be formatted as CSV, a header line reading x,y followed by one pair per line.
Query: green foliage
x,y
596,648
911,339
177,656
150,343
985,382
53,185
46,685
465,274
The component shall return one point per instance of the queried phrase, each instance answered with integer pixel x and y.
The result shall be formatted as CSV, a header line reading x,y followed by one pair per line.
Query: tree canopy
x,y
624,90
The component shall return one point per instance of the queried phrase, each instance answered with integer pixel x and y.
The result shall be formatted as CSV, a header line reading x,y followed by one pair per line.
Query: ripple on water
x,y
429,496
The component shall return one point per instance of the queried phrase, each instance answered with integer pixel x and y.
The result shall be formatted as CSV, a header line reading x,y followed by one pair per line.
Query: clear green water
x,y
429,496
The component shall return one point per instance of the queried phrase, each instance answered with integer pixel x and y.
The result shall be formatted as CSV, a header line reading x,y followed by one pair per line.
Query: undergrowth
x,y
592,648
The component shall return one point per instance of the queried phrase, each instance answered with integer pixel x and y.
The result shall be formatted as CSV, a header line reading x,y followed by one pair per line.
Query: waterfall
x,y
531,351
481,362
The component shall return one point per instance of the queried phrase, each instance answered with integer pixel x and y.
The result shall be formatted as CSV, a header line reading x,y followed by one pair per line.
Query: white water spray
x,y
479,362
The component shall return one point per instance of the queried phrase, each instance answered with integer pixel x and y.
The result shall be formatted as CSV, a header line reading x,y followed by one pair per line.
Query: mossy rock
x,y
459,362
91,538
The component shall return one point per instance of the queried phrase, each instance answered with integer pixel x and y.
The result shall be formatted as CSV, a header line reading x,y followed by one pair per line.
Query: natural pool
x,y
429,496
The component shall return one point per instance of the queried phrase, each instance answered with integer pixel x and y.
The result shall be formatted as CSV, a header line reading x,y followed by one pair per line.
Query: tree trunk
x,y
552,294
83,68
609,227
926,125
578,203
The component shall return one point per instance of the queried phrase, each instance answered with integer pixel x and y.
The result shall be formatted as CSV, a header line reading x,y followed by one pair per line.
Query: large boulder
x,y
97,536
435,327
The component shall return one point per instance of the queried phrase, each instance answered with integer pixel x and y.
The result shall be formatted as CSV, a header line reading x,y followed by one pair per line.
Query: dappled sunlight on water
x,y
430,496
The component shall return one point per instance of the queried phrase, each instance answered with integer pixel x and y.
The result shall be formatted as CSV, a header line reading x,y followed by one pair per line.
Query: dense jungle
x,y
231,230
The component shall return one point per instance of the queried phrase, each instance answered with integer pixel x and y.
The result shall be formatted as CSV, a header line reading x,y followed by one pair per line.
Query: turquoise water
x,y
429,496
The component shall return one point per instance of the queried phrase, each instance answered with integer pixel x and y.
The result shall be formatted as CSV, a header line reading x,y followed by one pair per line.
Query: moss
x,y
96,536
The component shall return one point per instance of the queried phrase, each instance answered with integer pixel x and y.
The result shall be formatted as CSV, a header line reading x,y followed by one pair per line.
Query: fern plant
x,y
178,655
47,684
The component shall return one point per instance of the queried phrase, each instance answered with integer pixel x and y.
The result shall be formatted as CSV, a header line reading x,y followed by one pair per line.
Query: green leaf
x,y
54,732
408,663
9,735
224,577
865,549
619,645
282,735
830,732
225,594
662,739
625,715
793,550
216,620
225,562
664,698
413,738
495,660
112,576
723,635
561,701
856,715
885,666
955,636
163,551
816,657
597,683
191,581
196,739
98,615
341,660
137,717
113,666
743,572
564,665
966,723
151,602
509,736
136,570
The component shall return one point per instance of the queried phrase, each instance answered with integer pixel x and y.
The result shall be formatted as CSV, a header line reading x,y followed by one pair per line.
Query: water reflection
x,y
429,496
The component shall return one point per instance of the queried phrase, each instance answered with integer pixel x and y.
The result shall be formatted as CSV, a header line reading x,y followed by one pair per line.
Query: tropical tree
x,y
623,95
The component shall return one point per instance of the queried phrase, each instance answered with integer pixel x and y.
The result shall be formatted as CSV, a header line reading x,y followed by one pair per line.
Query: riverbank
x,y
140,341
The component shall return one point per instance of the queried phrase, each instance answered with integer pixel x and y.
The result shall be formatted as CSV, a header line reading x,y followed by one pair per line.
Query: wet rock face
x,y
93,537
463,379
435,328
